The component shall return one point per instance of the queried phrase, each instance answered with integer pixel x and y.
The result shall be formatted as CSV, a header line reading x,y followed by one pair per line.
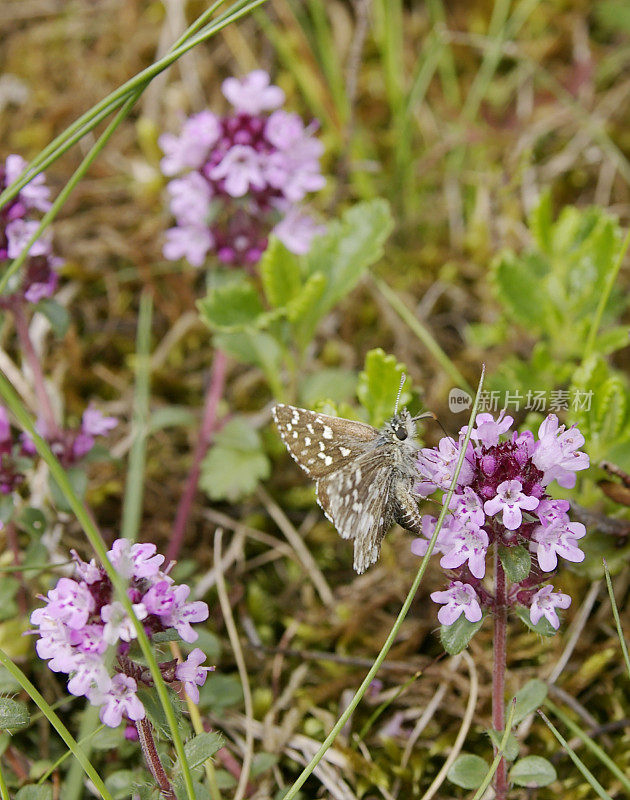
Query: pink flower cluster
x,y
39,277
501,500
71,445
81,621
242,176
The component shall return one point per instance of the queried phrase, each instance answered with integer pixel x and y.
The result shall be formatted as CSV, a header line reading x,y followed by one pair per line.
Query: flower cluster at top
x,y
243,177
39,277
501,499
82,623
70,446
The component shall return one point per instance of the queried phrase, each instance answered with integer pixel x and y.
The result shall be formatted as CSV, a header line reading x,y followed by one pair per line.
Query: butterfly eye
x,y
401,433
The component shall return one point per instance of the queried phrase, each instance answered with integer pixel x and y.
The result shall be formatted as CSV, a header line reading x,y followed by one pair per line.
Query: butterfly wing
x,y
357,499
321,444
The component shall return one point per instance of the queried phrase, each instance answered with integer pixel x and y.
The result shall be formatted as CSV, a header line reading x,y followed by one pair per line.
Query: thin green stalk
x,y
590,744
120,95
66,755
343,719
448,73
132,507
4,789
57,724
423,334
379,710
499,754
604,297
73,785
615,610
329,56
591,779
84,518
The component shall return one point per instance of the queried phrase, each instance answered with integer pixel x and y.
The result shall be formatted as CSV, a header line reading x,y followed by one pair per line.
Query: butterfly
x,y
364,476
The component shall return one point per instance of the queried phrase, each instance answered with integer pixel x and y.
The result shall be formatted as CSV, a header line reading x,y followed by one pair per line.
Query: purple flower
x,y
437,467
544,604
468,506
5,426
192,242
118,625
488,431
137,560
190,199
192,674
189,150
240,170
160,598
88,674
35,194
253,93
460,598
510,500
469,544
183,613
18,235
443,543
70,602
556,453
558,539
120,699
94,423
549,511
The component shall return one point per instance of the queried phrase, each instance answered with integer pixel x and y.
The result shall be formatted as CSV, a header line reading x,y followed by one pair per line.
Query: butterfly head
x,y
401,427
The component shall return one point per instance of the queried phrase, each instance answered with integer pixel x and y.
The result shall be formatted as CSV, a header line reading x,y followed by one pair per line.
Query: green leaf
x,y
511,747
333,383
541,222
251,347
171,417
56,314
455,637
280,273
611,340
236,463
122,783
201,747
544,627
262,762
220,691
79,481
13,714
33,521
7,507
529,698
533,771
378,386
516,562
34,791
301,307
233,306
8,590
468,771
517,285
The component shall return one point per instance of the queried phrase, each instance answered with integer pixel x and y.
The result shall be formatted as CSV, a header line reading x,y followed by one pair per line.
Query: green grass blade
x,y
339,725
4,789
615,610
132,506
590,744
448,73
67,755
423,335
57,724
590,778
92,533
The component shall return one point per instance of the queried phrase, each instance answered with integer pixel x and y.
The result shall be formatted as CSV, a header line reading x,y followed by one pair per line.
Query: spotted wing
x,y
321,444
359,499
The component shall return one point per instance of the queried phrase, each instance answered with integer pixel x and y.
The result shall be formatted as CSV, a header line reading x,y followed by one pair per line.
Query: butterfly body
x,y
364,475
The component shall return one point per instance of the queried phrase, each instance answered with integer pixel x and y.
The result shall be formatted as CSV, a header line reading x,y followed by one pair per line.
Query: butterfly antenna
x,y
431,415
403,378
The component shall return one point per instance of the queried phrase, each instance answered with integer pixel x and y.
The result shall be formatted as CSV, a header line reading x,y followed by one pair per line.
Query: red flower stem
x,y
208,425
43,398
498,668
149,750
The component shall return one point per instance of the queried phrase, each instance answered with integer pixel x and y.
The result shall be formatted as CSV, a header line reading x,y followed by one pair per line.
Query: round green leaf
x,y
13,714
468,771
516,562
455,637
533,771
529,698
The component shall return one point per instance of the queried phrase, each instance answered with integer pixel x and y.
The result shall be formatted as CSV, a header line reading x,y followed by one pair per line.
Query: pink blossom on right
x,y
544,604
